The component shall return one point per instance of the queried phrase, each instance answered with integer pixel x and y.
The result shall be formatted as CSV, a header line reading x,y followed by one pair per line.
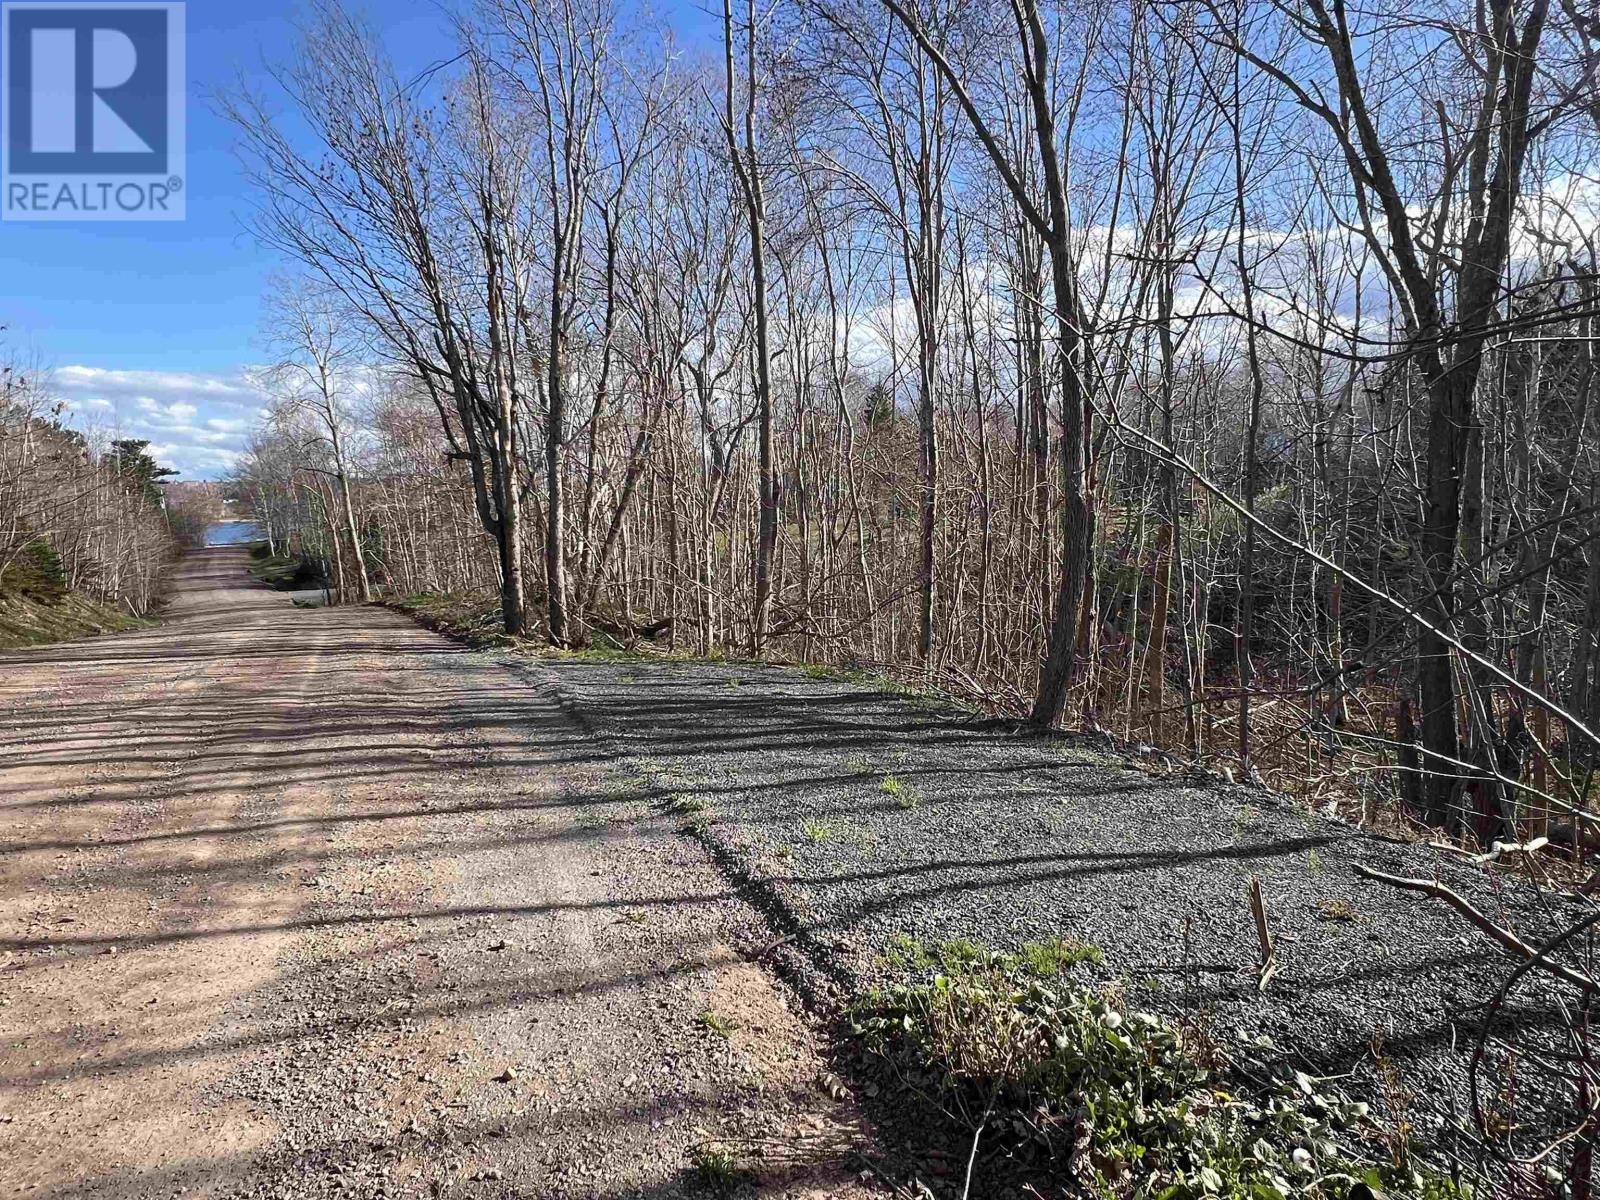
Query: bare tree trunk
x,y
555,567
363,582
748,168
1245,632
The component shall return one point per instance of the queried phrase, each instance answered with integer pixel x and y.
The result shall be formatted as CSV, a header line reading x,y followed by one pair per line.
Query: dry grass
x,y
25,621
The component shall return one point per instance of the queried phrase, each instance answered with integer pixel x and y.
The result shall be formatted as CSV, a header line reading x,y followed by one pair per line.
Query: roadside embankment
x,y
26,621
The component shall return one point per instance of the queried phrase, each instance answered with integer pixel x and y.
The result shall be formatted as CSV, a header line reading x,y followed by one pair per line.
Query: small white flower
x,y
1302,1159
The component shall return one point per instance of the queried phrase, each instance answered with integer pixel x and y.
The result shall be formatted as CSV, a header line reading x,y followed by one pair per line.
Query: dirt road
x,y
312,902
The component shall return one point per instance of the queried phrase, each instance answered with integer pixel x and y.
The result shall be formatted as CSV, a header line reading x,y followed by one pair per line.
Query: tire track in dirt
x,y
354,912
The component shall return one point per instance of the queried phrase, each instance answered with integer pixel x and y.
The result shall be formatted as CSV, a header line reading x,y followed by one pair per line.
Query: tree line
x,y
1218,373
82,514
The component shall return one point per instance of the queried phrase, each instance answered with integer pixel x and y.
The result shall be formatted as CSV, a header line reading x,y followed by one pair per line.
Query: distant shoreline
x,y
233,533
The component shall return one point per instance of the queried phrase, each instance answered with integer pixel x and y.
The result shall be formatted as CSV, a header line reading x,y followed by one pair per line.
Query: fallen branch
x,y
626,632
1507,940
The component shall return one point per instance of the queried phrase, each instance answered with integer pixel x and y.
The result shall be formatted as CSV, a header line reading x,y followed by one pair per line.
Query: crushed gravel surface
x,y
986,834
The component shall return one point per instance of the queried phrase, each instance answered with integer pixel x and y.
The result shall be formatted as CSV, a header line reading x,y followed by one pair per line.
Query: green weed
x,y
1334,909
716,1166
903,794
1057,955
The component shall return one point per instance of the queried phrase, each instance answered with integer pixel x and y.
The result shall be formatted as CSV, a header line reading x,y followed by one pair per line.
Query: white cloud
x,y
195,423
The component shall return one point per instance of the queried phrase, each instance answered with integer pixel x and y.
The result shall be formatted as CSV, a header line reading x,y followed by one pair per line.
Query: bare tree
x,y
314,374
390,207
1053,222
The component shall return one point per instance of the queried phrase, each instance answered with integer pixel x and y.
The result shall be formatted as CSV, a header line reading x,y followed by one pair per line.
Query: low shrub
x,y
1117,1102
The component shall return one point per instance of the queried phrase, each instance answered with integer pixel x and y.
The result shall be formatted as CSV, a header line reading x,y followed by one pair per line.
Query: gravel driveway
x,y
857,815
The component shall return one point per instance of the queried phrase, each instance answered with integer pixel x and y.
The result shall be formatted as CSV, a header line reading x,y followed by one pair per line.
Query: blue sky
x,y
149,326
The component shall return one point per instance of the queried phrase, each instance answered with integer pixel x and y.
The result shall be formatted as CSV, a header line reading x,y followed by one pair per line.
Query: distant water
x,y
233,533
